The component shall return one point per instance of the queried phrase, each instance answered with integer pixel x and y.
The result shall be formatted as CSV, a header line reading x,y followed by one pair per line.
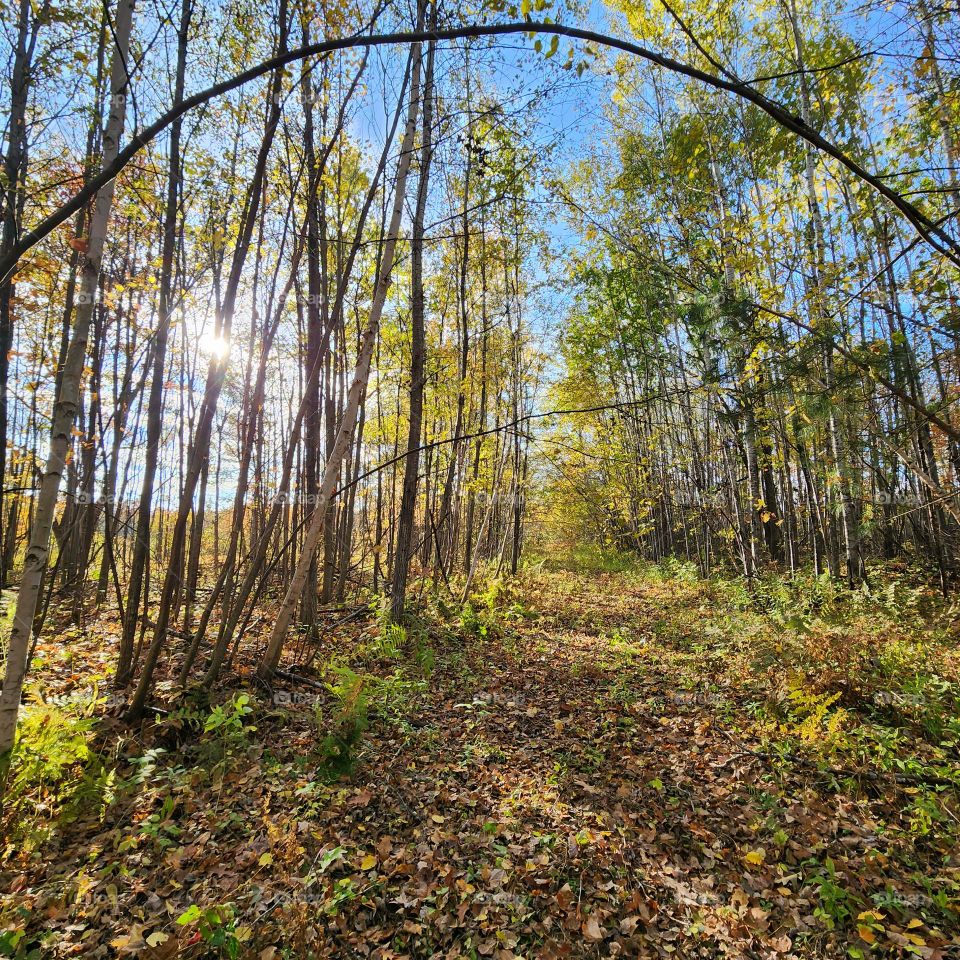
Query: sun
x,y
215,346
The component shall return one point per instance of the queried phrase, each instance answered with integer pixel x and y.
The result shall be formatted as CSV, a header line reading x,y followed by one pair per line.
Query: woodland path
x,y
577,786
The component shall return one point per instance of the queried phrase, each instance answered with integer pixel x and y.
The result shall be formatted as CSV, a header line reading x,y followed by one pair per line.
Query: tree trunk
x,y
295,589
408,497
65,411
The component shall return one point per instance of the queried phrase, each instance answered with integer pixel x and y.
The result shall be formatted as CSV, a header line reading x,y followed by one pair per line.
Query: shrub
x,y
53,773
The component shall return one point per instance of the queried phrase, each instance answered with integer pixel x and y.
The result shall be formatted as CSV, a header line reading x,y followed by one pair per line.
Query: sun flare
x,y
214,346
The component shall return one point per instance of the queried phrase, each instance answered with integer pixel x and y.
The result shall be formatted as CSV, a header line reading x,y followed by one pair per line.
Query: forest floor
x,y
622,764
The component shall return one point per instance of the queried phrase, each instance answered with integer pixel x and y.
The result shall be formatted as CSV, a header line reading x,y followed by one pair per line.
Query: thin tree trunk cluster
x,y
297,354
784,400
220,441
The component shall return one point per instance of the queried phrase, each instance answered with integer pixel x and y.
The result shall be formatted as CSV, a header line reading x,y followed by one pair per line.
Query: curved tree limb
x,y
930,232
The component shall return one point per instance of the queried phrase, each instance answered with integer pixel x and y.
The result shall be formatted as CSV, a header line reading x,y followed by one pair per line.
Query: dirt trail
x,y
564,797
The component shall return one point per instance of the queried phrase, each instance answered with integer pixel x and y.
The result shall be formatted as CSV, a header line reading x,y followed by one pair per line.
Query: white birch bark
x,y
65,411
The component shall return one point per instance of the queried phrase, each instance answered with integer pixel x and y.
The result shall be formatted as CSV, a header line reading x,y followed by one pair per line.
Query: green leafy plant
x,y
393,638
160,827
344,730
217,927
836,905
225,731
16,943
54,774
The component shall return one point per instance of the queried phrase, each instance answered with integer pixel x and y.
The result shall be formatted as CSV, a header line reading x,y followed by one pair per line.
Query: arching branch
x,y
929,231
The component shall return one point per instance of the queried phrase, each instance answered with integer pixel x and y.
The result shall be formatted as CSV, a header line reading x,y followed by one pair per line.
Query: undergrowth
x,y
859,690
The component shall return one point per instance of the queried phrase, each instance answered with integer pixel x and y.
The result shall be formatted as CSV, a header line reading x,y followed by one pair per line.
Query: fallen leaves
x,y
535,809
592,931
755,857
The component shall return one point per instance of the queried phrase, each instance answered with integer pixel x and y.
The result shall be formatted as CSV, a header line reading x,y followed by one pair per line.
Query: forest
x,y
480,480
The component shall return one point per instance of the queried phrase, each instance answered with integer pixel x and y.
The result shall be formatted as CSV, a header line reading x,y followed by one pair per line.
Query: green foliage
x,y
160,826
343,731
344,891
54,773
224,731
424,655
147,767
492,608
392,640
16,943
471,622
836,905
590,558
217,927
226,720
674,568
